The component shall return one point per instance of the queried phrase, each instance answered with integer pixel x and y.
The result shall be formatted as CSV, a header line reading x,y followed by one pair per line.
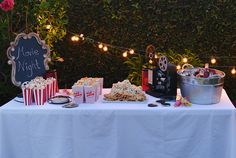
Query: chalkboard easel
x,y
29,57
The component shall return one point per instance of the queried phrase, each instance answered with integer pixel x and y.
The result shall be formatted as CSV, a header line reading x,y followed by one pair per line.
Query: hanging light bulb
x,y
125,54
213,60
131,51
74,38
105,48
185,60
178,67
150,61
82,36
100,45
233,71
156,56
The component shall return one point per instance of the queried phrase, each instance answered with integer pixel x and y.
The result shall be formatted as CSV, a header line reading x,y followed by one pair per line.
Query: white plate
x,y
59,100
19,99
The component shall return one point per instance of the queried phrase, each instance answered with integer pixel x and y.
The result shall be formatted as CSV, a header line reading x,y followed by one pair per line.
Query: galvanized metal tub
x,y
202,90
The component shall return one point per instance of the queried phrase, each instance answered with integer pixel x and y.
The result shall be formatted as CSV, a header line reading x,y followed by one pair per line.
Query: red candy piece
x,y
178,103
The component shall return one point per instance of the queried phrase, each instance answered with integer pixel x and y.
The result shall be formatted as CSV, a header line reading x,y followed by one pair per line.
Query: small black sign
x,y
29,58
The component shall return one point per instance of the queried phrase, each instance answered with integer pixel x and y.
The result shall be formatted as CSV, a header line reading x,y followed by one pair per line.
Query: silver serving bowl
x,y
201,90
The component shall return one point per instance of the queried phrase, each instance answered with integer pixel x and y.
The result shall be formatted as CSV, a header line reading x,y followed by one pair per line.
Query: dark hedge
x,y
207,27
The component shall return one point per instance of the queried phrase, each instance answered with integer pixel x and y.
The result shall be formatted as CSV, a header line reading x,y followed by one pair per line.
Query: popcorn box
x,y
53,75
98,88
40,95
90,93
27,96
49,91
101,85
53,86
78,92
57,88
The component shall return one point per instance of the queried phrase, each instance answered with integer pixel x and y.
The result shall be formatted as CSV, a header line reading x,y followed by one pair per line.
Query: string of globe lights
x,y
126,51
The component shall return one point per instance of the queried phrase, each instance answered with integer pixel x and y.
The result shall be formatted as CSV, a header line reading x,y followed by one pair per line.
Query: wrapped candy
x,y
180,101
201,73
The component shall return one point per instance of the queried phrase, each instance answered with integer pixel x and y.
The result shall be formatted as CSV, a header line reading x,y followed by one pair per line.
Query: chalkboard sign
x,y
29,57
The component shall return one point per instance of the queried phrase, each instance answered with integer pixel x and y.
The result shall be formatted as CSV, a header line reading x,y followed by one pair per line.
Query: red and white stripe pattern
x,y
54,86
39,90
40,96
57,88
49,90
27,96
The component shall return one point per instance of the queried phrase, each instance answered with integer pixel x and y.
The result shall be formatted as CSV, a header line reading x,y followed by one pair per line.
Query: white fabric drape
x,y
118,130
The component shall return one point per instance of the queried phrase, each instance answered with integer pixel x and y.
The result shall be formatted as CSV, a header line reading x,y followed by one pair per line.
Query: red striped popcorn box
x,y
50,87
57,87
40,95
27,95
90,94
49,90
54,86
78,91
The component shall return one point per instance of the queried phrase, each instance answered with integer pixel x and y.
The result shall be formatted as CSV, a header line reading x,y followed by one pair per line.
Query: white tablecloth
x,y
118,130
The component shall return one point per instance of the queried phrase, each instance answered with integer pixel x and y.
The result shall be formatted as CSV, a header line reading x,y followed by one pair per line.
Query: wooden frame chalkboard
x,y
29,57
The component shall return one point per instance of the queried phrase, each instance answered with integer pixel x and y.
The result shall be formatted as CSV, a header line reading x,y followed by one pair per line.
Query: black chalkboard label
x,y
29,57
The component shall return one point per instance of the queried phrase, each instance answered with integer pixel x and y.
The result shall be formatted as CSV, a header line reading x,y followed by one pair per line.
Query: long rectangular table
x,y
118,130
